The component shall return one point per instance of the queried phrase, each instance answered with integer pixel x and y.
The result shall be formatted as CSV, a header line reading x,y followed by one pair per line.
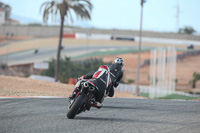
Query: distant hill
x,y
24,20
27,20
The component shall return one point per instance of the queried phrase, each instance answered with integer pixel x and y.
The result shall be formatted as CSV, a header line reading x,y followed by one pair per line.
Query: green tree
x,y
187,30
196,77
71,69
1,5
8,11
81,8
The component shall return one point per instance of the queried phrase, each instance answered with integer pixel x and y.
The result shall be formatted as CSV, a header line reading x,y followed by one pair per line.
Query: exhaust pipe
x,y
91,88
85,85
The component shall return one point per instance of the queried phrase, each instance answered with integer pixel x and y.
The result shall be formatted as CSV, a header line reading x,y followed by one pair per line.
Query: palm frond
x,y
82,9
81,12
48,8
44,4
45,15
88,4
70,16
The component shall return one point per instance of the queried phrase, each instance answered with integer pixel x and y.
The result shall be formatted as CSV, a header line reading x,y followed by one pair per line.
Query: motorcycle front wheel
x,y
76,106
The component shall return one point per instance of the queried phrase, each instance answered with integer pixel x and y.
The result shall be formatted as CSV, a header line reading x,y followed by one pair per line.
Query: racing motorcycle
x,y
83,99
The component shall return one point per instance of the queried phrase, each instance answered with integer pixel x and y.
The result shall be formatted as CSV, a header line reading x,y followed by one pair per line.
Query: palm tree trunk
x,y
59,51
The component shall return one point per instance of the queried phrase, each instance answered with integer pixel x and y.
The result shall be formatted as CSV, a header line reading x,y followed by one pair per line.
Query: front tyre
x,y
75,107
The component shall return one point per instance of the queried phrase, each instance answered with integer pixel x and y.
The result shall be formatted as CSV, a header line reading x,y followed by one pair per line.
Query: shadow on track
x,y
125,120
105,119
169,109
117,107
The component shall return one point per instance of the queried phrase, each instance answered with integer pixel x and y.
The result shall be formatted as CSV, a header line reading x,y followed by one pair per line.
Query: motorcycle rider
x,y
105,78
116,74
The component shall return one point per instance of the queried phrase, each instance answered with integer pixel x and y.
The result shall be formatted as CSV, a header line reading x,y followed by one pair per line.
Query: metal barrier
x,y
146,89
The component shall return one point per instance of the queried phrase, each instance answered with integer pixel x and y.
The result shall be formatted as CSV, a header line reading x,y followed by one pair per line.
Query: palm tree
x,y
81,8
1,4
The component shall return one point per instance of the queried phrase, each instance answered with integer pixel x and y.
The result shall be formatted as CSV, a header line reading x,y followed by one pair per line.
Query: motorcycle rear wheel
x,y
76,106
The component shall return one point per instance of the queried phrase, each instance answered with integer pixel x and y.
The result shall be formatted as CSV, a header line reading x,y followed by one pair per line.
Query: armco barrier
x,y
122,38
145,89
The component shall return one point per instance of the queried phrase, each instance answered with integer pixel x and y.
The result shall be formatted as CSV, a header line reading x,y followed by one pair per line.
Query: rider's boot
x,y
96,104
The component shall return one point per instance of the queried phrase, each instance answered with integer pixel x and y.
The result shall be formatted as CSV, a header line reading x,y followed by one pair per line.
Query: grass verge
x,y
109,52
173,96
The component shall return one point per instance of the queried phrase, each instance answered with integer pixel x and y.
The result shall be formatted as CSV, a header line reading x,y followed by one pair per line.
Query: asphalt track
x,y
118,115
45,54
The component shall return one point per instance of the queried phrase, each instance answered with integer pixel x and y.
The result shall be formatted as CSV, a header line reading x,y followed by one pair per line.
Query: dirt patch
x,y
184,69
5,39
16,86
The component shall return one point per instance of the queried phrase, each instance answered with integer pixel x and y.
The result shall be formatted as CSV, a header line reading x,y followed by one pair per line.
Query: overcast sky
x,y
159,15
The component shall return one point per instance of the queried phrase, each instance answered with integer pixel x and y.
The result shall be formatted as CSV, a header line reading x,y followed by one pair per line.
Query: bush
x,y
131,81
187,30
69,69
196,77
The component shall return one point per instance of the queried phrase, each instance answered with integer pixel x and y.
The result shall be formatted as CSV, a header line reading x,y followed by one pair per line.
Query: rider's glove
x,y
116,84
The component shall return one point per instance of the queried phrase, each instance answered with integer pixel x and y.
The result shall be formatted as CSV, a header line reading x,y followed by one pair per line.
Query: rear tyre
x,y
75,107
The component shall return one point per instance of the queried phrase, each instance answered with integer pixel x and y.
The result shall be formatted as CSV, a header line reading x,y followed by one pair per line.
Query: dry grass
x,y
15,86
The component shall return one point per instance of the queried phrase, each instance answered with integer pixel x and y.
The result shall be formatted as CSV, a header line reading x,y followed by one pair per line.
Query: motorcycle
x,y
83,99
